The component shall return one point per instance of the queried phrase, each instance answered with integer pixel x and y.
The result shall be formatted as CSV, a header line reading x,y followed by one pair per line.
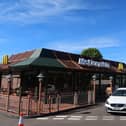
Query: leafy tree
x,y
92,53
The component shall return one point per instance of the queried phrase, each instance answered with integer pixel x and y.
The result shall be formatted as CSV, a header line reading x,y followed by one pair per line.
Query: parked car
x,y
117,101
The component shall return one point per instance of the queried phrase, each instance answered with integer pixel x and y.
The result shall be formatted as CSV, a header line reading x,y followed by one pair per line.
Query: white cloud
x,y
39,10
103,42
78,46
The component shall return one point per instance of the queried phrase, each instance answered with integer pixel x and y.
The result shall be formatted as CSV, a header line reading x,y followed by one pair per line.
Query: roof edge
x,y
36,53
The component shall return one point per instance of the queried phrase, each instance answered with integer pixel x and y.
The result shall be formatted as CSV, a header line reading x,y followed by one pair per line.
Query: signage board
x,y
90,62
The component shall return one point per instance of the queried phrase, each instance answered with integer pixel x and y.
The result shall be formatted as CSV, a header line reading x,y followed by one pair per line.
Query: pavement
x,y
13,115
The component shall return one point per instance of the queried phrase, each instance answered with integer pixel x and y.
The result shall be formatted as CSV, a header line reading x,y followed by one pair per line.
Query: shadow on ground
x,y
118,114
85,110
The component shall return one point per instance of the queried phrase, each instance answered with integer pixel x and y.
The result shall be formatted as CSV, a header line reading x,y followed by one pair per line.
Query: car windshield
x,y
119,93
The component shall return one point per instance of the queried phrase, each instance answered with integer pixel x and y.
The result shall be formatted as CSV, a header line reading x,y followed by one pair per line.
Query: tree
x,y
92,53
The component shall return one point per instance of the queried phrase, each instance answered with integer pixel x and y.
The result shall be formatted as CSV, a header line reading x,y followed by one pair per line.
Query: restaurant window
x,y
59,81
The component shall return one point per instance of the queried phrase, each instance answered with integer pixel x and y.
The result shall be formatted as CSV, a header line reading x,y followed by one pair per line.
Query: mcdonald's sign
x,y
5,59
120,66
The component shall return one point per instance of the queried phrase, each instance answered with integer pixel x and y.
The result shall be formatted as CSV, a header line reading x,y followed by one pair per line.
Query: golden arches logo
x,y
120,66
5,59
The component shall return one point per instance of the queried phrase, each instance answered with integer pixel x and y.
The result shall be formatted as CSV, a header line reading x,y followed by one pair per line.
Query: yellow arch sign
x,y
120,66
5,59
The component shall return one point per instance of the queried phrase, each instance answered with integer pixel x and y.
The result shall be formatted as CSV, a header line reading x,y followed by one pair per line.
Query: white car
x,y
117,101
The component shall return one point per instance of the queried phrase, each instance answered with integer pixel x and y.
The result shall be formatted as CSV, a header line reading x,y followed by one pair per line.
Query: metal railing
x,y
49,103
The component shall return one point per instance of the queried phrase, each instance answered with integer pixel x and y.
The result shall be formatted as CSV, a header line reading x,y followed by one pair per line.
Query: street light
x,y
40,78
94,82
94,77
9,77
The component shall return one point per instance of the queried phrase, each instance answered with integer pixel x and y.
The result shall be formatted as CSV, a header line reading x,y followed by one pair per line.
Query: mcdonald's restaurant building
x,y
43,74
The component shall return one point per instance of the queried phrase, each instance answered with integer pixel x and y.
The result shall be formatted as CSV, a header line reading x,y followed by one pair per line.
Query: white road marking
x,y
43,118
122,118
73,118
108,118
91,118
77,117
61,116
58,118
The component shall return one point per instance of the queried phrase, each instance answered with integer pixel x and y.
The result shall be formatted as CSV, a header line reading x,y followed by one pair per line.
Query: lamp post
x,y
111,78
94,84
9,77
40,78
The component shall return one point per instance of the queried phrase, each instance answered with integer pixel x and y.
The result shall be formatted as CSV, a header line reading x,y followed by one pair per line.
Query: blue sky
x,y
65,25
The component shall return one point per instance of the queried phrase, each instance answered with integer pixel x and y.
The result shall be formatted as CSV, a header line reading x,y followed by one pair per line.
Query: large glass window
x,y
59,81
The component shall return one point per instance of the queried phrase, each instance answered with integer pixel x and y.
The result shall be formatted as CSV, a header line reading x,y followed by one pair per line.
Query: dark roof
x,y
16,58
39,62
55,59
50,58
4,67
20,56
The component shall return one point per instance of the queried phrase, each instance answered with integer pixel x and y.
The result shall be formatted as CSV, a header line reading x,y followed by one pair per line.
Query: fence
x,y
50,103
